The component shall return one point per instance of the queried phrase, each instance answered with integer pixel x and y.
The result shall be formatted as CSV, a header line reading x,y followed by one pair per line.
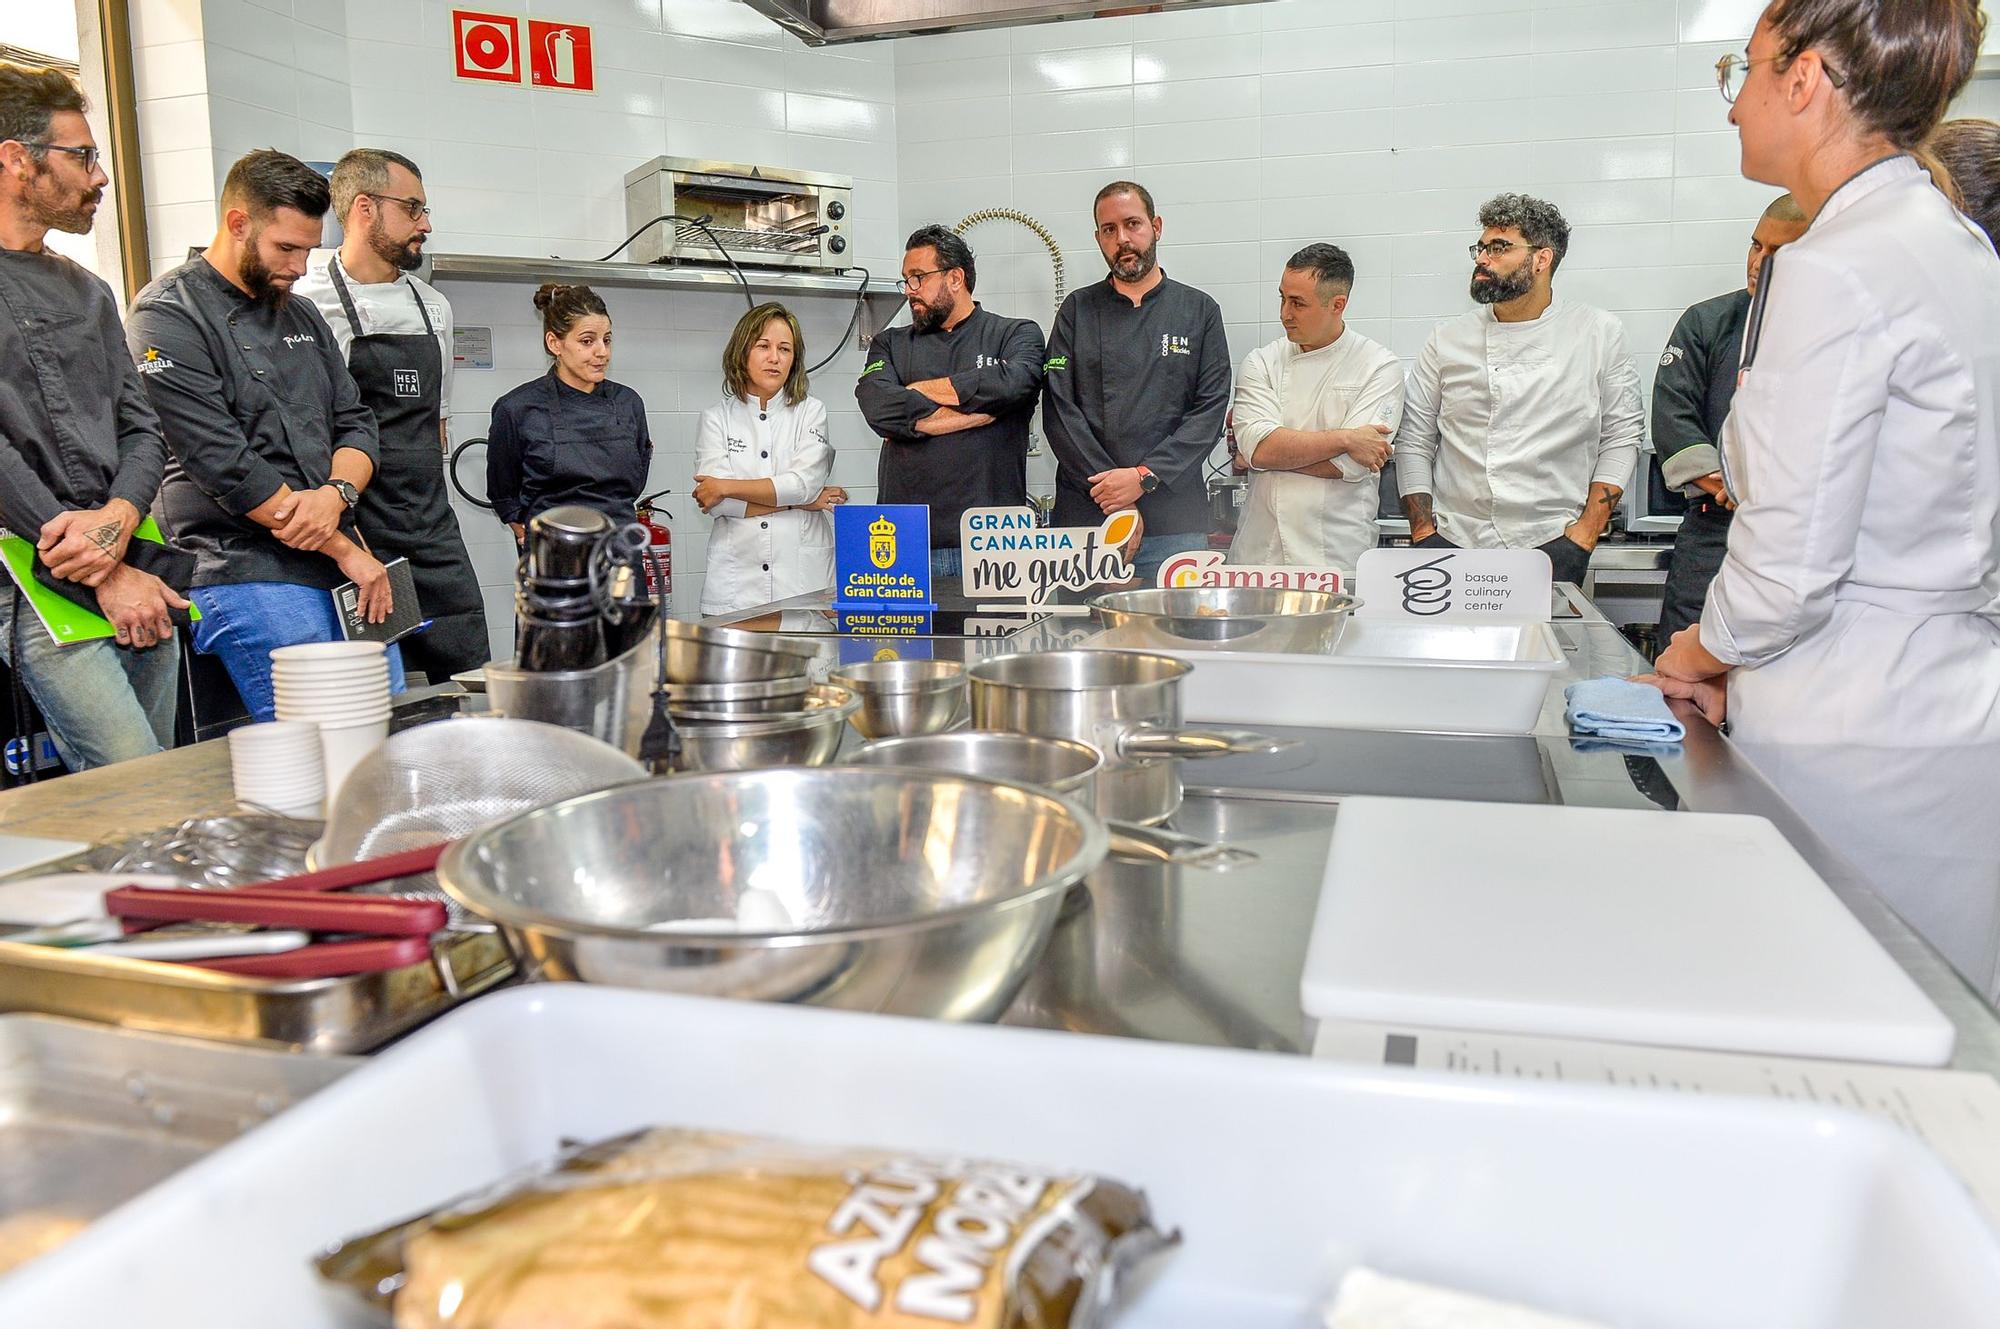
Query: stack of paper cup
x,y
279,766
341,686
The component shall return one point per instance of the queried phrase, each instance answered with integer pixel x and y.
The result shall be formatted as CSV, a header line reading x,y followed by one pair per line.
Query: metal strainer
x,y
446,779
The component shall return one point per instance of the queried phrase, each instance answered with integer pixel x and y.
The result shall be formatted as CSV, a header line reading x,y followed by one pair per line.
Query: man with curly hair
x,y
1522,418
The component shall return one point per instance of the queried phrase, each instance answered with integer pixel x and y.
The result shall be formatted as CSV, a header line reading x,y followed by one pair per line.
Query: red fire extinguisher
x,y
660,551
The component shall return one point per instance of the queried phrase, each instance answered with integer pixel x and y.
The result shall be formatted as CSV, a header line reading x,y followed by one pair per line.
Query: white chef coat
x,y
385,307
755,560
1860,598
1303,520
1507,425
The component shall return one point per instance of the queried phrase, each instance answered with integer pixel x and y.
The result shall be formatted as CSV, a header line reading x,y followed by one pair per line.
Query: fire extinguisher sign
x,y
559,56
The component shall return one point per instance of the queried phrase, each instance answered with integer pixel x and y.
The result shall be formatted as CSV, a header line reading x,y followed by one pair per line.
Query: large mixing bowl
x,y
697,654
910,893
809,736
1223,618
904,698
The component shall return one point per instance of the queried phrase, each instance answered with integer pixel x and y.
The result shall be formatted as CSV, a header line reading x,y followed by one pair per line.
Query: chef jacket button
x,y
763,454
765,524
761,415
767,567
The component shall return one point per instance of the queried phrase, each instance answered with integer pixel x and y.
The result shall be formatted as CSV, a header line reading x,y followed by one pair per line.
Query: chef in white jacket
x,y
1314,414
1859,602
761,463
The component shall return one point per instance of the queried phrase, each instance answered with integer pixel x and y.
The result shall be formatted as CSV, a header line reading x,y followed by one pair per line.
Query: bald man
x,y
1691,396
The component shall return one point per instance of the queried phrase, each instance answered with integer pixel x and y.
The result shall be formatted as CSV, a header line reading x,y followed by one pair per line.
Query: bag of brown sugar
x,y
671,1229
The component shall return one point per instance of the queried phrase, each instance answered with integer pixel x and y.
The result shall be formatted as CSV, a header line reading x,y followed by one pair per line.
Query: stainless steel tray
x,y
91,1116
322,1015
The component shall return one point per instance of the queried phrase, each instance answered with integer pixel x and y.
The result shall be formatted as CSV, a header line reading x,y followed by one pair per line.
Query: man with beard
x,y
1691,395
1522,418
1137,390
80,448
951,395
395,332
270,445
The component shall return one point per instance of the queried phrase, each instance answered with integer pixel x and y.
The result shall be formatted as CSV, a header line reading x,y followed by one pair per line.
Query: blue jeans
x,y
945,563
104,703
1157,549
242,624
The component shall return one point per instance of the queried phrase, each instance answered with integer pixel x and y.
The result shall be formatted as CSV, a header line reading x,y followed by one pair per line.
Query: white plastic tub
x,y
1646,1211
1445,678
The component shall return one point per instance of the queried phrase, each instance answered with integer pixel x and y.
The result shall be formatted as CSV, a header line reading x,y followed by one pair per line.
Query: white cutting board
x,y
27,851
1676,929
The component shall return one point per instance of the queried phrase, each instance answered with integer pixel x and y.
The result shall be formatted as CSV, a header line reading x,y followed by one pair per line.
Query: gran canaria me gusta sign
x,y
1010,560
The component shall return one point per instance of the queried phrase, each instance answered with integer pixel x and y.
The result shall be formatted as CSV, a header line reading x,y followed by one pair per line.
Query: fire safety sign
x,y
559,56
492,48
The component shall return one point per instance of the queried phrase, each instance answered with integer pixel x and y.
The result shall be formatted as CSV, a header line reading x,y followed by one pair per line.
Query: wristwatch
x,y
348,493
1148,482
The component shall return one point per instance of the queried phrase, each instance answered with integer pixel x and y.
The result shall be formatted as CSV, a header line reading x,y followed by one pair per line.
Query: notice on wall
x,y
1455,585
1208,567
471,347
1009,560
492,48
486,48
559,56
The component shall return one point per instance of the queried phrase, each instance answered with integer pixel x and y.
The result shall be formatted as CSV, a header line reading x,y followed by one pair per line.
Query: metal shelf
x,y
684,277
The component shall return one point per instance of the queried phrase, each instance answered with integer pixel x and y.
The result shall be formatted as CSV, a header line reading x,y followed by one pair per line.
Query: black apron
x,y
406,510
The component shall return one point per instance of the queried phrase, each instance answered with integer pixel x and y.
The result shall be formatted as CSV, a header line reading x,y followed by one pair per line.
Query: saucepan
x,y
876,889
1223,618
1059,765
1126,704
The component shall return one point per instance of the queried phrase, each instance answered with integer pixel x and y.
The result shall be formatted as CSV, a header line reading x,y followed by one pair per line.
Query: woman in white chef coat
x,y
1859,603
761,464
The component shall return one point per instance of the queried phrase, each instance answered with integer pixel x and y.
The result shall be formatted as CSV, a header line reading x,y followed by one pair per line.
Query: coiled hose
x,y
973,219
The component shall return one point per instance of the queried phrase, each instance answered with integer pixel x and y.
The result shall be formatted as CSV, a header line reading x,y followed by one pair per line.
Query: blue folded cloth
x,y
1618,708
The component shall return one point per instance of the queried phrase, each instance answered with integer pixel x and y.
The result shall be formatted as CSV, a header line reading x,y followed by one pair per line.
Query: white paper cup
x,y
314,651
279,765
346,744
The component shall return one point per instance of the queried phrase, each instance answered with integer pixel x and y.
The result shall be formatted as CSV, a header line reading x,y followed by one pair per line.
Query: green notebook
x,y
67,621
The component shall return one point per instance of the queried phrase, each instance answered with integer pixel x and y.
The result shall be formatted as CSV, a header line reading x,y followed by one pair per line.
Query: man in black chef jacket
x,y
1137,388
80,448
270,445
395,330
952,395
1691,396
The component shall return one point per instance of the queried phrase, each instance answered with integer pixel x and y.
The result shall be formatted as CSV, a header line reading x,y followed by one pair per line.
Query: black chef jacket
x,y
252,395
548,444
1695,385
995,366
1130,384
76,430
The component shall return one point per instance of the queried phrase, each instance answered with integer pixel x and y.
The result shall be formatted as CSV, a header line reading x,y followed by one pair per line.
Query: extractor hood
x,y
826,22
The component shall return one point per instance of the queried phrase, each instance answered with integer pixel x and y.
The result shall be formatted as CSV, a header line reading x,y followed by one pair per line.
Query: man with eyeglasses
x,y
1692,392
1138,388
269,442
394,329
952,395
80,447
1522,418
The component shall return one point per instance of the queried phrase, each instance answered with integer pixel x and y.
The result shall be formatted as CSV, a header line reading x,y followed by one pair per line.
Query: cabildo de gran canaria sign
x,y
1010,560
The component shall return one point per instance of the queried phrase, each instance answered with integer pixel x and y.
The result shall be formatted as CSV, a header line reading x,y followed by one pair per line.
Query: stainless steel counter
x,y
1215,958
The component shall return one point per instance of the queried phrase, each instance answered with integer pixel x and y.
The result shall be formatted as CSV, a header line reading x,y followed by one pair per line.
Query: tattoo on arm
x,y
105,536
1417,507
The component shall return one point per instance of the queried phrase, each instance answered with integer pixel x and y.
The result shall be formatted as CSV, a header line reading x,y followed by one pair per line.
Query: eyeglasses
x,y
1731,70
88,156
1494,249
916,279
414,207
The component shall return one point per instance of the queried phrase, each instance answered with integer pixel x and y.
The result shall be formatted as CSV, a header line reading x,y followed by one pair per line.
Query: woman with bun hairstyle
x,y
571,435
761,465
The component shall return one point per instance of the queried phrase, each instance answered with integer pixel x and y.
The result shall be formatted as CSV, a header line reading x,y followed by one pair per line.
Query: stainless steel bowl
x,y
697,654
909,893
719,741
905,697
1059,765
1223,618
763,697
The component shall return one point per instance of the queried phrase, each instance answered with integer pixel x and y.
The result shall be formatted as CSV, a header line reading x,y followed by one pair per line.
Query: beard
x,y
1131,265
1498,290
72,216
264,286
927,317
404,257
